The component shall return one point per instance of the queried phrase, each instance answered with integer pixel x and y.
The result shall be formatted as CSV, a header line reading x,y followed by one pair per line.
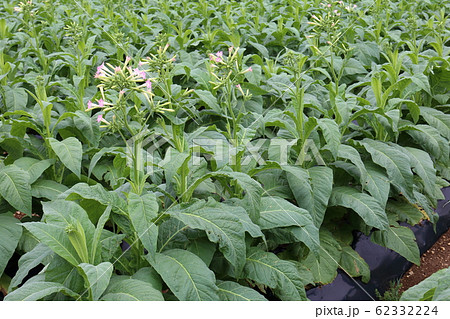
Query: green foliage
x,y
230,155
434,288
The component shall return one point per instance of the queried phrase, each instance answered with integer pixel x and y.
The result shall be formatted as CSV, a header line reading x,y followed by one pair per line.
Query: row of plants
x,y
215,150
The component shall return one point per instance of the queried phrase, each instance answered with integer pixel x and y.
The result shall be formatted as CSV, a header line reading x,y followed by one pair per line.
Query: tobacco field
x,y
216,150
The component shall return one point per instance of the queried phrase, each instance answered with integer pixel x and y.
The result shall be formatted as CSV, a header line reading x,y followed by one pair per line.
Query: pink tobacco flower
x,y
89,105
249,69
148,85
117,69
139,73
101,103
99,118
127,59
219,54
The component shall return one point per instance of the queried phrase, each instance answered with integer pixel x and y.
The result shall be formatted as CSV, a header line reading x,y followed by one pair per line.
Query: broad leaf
x,y
396,163
434,288
96,278
350,153
34,167
70,152
281,276
437,119
210,100
377,183
15,188
47,189
424,167
56,238
364,205
98,193
220,225
186,275
332,135
431,140
10,233
132,290
278,212
311,189
232,291
28,261
324,267
37,290
401,240
353,264
142,211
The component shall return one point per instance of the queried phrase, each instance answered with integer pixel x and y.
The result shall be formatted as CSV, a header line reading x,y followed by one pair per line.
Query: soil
x,y
434,259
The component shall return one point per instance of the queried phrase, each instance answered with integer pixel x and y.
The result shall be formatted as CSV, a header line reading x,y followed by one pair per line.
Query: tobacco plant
x,y
216,150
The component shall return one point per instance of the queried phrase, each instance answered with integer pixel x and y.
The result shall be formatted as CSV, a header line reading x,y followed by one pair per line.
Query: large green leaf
x,y
396,163
437,119
88,127
377,183
331,133
353,264
142,211
350,153
432,141
10,233
28,261
209,99
401,240
300,184
281,276
56,238
47,189
70,152
37,290
311,188
364,205
232,291
99,194
15,188
436,287
96,278
322,185
278,212
424,167
253,190
15,98
220,225
324,267
64,214
34,167
186,275
96,240
132,290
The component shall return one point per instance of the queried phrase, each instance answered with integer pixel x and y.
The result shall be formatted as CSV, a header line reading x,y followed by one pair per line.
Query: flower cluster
x,y
227,68
159,63
120,84
74,33
326,24
26,8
